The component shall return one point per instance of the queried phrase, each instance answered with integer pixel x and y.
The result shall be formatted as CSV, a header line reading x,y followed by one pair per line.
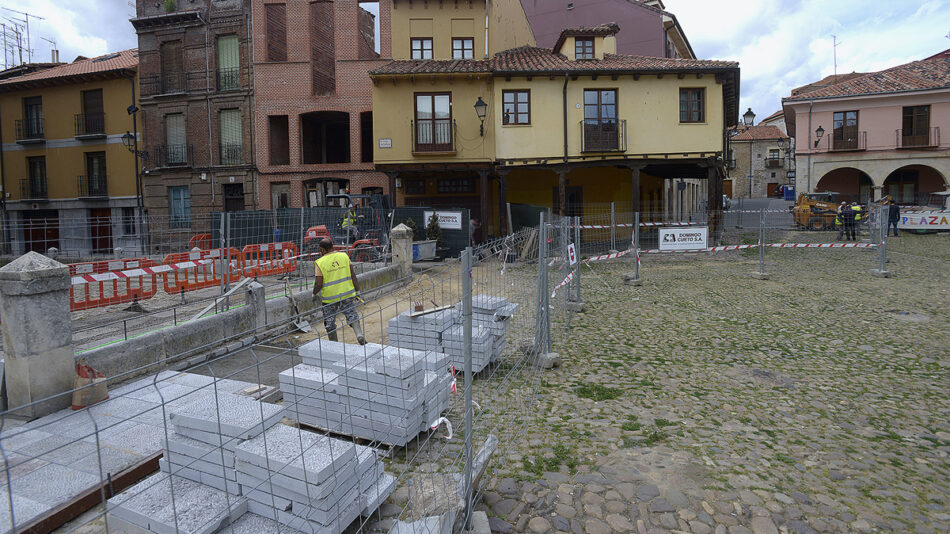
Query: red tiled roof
x,y
773,116
530,59
825,82
601,30
126,59
913,76
758,133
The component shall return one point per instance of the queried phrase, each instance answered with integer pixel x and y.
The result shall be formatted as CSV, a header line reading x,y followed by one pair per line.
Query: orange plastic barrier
x,y
201,241
201,276
269,258
94,294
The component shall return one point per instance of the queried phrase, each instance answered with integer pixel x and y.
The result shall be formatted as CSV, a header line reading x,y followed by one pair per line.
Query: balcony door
x,y
433,122
95,185
93,117
846,130
916,126
600,120
33,117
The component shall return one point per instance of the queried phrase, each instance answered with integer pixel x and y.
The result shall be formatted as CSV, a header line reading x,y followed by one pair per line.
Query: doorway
x,y
40,230
233,197
727,188
575,201
100,230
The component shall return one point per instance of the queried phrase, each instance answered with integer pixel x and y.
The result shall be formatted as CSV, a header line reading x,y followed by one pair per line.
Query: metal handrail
x,y
96,185
33,188
28,129
231,154
90,124
917,140
436,133
599,135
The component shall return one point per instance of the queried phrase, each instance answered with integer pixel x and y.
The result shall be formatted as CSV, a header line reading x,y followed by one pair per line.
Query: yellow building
x,y
68,180
564,127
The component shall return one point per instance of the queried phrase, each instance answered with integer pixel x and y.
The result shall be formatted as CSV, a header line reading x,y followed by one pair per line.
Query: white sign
x,y
571,254
448,220
385,143
683,238
925,220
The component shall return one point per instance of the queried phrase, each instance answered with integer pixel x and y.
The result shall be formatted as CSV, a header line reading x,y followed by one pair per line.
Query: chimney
x,y
55,55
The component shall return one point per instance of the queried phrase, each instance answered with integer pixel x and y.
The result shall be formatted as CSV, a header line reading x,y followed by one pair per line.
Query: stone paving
x,y
706,401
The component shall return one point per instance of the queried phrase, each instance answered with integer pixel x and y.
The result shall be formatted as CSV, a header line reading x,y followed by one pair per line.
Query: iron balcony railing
x,y
33,188
229,79
436,135
90,124
851,141
918,138
773,162
92,186
165,83
603,135
173,155
231,154
28,130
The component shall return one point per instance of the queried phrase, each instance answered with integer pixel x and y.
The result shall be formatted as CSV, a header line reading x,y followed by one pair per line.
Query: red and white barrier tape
x,y
630,225
610,256
822,245
130,273
709,249
570,276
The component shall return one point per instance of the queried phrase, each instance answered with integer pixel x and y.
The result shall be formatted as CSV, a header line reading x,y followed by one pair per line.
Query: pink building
x,y
875,134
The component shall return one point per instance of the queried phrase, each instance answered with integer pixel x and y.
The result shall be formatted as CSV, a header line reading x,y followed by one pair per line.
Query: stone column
x,y
401,239
562,191
485,210
37,334
878,192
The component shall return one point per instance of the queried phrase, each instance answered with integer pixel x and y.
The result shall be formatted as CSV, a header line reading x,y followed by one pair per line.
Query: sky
x,y
779,44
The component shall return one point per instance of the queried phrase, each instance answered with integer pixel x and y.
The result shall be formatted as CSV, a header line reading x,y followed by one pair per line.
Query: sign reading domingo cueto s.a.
x,y
683,238
448,220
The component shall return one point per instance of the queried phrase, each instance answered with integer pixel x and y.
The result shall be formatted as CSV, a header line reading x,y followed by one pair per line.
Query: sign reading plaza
x,y
683,238
925,220
448,220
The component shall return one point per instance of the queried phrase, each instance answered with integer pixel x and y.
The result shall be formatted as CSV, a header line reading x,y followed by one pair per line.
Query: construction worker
x,y
349,225
839,220
858,211
336,285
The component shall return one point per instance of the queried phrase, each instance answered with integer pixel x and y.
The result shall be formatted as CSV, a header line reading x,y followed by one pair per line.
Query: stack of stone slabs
x,y
421,332
207,430
483,346
493,313
310,482
384,394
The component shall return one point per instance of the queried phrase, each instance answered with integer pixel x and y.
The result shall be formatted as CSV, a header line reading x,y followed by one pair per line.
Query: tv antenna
x,y
835,52
54,53
26,20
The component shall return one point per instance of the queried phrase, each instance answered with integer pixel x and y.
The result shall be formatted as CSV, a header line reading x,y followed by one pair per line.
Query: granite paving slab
x,y
251,523
293,451
376,494
256,477
325,351
24,511
232,415
53,484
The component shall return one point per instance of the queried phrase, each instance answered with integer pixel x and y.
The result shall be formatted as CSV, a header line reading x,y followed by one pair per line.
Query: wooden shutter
x,y
276,20
230,127
175,129
228,55
92,102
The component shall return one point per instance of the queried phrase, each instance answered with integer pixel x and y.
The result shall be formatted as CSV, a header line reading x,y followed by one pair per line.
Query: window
x,y
32,118
320,191
179,207
457,185
233,197
231,150
773,153
433,122
845,133
322,48
92,120
600,120
175,143
915,126
692,105
421,48
229,73
278,136
280,195
128,221
276,25
35,186
415,187
463,48
366,136
516,107
94,184
583,48
173,81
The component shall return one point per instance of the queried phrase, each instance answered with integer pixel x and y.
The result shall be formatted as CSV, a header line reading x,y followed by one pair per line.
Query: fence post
x,y
634,279
467,353
761,274
301,250
613,229
881,271
542,333
574,303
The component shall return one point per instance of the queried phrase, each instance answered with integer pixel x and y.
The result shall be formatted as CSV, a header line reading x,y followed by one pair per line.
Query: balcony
x,y
90,126
435,136
774,162
929,138
229,79
95,186
163,84
851,142
30,131
173,156
231,154
603,135
33,189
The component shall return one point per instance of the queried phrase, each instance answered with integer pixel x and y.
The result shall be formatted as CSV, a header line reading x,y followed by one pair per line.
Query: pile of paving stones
x,y
309,481
385,394
421,332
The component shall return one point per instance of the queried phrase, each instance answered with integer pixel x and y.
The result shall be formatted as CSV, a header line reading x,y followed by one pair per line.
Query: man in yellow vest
x,y
349,225
336,284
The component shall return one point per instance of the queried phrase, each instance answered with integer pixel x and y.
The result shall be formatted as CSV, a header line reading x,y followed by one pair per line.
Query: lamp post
x,y
481,109
748,118
131,142
818,133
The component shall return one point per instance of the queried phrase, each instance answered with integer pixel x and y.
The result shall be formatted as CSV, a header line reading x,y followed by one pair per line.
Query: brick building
x,y
313,99
196,111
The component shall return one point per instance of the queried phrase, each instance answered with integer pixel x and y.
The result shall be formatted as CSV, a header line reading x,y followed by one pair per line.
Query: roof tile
x,y
126,59
759,133
913,76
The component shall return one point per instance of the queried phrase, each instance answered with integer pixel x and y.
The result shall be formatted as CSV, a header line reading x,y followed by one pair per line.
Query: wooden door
x,y
100,230
773,190
233,197
727,188
40,230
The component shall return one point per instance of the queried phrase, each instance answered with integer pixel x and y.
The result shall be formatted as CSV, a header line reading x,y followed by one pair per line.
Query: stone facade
x,y
764,170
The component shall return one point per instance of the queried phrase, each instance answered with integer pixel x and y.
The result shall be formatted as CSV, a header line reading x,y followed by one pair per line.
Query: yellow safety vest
x,y
337,284
349,220
857,213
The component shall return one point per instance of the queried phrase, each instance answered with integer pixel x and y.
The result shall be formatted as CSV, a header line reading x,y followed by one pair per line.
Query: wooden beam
x,y
636,77
680,76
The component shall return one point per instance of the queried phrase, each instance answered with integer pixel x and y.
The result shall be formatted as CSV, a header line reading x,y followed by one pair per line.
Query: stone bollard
x,y
37,334
631,279
401,239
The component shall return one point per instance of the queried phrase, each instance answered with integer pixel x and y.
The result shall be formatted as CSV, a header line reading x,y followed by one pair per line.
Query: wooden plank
x,y
430,310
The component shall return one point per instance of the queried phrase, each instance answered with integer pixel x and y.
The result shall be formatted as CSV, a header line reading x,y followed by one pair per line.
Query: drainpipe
x,y
208,109
251,105
3,200
564,99
810,105
487,18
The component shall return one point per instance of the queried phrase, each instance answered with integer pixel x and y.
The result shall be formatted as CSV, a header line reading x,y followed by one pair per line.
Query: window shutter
x,y
276,15
175,129
228,54
92,102
230,127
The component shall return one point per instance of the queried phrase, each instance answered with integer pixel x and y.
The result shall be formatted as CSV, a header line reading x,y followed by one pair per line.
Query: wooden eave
x,y
67,80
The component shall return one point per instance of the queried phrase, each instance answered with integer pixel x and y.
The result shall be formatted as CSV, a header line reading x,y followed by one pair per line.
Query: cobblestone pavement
x,y
706,401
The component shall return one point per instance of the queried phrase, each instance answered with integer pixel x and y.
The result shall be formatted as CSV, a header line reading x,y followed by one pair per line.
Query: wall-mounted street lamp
x,y
131,142
481,109
748,118
818,133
